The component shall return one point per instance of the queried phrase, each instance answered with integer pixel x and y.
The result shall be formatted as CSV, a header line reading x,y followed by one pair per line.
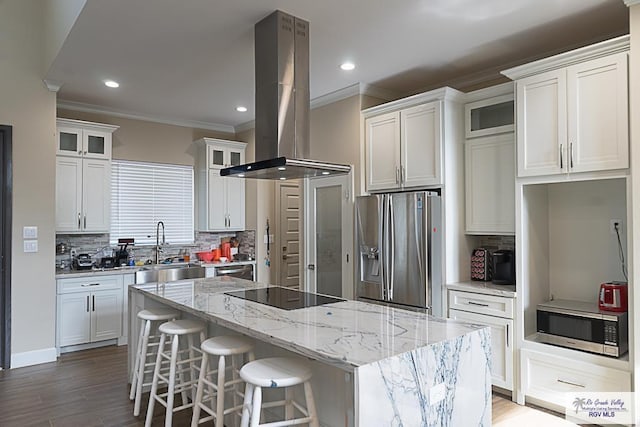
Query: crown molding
x,y
52,85
598,50
630,3
353,90
443,93
97,109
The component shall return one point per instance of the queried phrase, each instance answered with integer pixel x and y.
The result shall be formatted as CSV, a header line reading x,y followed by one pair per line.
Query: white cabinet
x,y
490,185
497,313
221,202
89,310
403,148
489,161
78,138
574,119
83,177
549,377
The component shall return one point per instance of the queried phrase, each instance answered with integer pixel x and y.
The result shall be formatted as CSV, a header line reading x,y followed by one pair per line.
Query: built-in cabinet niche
x,y
568,243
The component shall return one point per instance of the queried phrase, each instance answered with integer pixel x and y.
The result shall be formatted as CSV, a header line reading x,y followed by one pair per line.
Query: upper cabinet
x,y
221,201
489,161
404,142
572,111
83,176
76,138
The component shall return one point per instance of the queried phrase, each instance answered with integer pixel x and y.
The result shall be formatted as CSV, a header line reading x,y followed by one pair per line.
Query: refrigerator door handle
x,y
382,252
392,254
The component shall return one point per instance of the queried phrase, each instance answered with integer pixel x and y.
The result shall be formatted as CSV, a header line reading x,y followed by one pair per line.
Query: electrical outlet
x,y
437,393
612,226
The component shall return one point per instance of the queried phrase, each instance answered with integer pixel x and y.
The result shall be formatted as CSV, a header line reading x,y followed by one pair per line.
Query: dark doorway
x,y
5,246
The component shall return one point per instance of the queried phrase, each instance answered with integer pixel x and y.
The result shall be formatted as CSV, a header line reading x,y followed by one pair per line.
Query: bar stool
x,y
175,329
235,347
276,372
147,347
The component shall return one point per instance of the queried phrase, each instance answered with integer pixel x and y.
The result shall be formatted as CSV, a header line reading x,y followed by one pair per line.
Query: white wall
x,y
60,17
30,108
582,251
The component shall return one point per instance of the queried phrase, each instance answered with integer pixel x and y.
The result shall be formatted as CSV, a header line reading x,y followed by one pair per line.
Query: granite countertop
x,y
486,288
66,274
346,334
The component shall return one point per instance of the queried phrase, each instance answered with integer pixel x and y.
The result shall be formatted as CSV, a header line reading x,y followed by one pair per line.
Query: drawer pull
x,y
477,303
570,383
90,284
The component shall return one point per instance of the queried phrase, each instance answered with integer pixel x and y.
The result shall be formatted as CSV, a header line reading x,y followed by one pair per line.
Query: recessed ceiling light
x,y
325,173
241,109
282,178
111,84
282,168
348,66
240,175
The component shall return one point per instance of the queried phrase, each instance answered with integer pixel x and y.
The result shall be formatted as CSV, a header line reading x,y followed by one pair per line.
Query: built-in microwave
x,y
583,326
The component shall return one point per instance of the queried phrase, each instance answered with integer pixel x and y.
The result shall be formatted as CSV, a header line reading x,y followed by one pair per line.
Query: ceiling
x,y
192,61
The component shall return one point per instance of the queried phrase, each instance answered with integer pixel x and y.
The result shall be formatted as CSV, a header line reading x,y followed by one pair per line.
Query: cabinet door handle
x,y
80,152
561,156
79,217
90,284
397,175
477,303
94,303
507,335
229,220
570,383
571,155
87,303
402,174
85,220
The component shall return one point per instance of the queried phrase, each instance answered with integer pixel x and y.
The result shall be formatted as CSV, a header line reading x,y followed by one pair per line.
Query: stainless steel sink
x,y
169,273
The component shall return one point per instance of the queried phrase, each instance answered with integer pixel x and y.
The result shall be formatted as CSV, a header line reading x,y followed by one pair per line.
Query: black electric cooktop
x,y
286,299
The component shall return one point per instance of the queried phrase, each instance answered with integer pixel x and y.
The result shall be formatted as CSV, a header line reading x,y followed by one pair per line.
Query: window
x,y
143,194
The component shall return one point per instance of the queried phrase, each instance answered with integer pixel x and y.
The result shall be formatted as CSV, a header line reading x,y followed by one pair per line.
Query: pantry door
x,y
288,241
329,235
5,246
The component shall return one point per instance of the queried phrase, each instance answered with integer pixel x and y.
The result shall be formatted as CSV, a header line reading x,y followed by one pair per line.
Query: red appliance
x,y
613,297
226,250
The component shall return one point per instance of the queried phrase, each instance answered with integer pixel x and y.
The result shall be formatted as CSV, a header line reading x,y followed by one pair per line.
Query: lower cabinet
x,y
502,345
88,310
548,377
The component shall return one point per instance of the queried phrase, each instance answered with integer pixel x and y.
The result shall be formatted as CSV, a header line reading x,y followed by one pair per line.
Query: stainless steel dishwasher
x,y
244,271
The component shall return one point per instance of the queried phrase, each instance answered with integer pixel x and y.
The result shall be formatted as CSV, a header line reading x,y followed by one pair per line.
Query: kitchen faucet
x,y
158,239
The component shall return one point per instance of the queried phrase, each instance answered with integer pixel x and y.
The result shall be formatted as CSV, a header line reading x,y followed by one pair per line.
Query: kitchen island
x,y
373,365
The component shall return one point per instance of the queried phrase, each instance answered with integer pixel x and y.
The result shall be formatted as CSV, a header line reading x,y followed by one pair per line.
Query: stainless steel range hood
x,y
282,104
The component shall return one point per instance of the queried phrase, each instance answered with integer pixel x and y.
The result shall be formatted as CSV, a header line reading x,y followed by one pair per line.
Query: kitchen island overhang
x,y
398,366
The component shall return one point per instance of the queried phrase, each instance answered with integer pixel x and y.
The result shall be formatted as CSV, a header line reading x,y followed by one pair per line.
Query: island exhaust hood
x,y
282,104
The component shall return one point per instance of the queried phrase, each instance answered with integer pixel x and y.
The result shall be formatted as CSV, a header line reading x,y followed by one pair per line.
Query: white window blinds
x,y
143,194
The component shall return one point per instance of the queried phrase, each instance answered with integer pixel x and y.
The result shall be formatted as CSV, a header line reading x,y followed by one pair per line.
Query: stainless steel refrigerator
x,y
399,245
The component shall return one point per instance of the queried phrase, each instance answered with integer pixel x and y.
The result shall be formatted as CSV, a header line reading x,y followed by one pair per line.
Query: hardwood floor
x,y
89,388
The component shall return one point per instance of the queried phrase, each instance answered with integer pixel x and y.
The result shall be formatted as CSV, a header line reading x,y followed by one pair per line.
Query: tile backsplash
x,y
497,242
93,243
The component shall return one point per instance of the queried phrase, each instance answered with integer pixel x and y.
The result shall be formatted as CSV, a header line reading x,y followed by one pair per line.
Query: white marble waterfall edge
x,y
398,391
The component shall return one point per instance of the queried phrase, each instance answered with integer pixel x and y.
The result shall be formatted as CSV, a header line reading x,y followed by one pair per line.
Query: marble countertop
x,y
65,274
487,288
346,334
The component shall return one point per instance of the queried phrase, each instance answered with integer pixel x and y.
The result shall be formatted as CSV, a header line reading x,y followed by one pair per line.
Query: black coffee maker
x,y
122,255
504,267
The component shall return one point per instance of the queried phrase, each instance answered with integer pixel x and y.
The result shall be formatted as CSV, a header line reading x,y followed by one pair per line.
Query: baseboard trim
x,y
34,357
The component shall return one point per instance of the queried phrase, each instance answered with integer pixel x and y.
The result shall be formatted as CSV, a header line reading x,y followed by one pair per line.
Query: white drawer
x,y
85,284
481,303
547,377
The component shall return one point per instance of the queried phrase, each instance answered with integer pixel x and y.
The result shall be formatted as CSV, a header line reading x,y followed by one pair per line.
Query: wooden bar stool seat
x,y
277,372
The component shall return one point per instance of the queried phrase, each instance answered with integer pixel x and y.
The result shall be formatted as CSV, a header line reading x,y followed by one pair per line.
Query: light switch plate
x,y
30,232
30,246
